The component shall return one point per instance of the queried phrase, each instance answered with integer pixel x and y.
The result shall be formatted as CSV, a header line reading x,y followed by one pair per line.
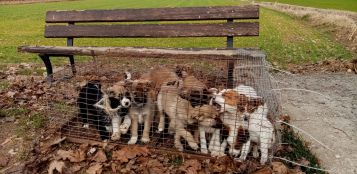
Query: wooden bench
x,y
229,28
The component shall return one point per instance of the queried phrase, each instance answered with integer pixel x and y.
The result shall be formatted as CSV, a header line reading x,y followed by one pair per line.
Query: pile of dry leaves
x,y
330,65
64,157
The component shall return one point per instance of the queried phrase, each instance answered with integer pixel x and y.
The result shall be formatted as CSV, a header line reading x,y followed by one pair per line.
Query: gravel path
x,y
330,117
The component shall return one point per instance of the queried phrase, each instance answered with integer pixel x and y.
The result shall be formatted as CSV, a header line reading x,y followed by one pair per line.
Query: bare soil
x,y
329,115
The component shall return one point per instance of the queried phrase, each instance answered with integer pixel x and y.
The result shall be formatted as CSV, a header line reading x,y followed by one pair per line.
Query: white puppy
x,y
261,131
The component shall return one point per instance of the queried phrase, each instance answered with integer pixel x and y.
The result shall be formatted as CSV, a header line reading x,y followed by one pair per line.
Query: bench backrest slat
x,y
153,30
155,14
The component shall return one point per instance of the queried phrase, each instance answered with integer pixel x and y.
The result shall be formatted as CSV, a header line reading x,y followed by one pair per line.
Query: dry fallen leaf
x,y
100,157
75,168
129,152
279,168
191,166
75,156
56,165
265,170
95,169
154,166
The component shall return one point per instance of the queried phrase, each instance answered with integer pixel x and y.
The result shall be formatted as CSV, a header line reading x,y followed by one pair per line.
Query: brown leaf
x,y
129,152
75,168
95,169
154,166
76,156
191,166
265,170
100,157
279,168
56,165
296,170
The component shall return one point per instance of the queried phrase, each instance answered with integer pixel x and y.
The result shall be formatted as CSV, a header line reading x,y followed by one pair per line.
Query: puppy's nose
x,y
245,118
126,103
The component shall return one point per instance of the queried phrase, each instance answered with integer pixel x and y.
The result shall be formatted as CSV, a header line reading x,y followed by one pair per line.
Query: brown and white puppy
x,y
142,109
159,76
181,114
236,105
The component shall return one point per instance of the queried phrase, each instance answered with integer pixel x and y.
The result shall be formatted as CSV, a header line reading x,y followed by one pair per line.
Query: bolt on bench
x,y
228,29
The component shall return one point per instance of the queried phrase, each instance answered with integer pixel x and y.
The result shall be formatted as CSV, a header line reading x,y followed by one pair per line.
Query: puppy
x,y
195,91
89,95
181,114
261,131
207,123
142,109
233,106
116,103
159,76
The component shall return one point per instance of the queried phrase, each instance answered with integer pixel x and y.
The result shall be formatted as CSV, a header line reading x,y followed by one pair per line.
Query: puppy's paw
x,y
193,145
115,136
124,128
86,125
204,151
234,152
161,128
217,153
133,140
255,154
179,147
145,139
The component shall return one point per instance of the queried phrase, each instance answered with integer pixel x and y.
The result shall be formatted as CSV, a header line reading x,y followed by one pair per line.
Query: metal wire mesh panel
x,y
172,102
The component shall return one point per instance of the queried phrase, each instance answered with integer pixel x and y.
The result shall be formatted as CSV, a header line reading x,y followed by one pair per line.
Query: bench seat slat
x,y
155,14
95,51
153,30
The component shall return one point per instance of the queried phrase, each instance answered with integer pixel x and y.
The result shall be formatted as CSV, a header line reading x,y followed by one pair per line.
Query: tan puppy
x,y
181,114
157,77
141,110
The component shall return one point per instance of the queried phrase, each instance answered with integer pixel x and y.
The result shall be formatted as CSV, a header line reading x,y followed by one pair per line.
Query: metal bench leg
x,y
230,79
46,60
71,60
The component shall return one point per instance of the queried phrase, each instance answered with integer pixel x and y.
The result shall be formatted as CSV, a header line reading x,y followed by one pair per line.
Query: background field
x,y
285,39
350,5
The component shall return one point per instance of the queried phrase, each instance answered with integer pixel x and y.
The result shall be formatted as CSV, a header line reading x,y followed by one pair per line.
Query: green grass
x,y
299,152
285,39
350,5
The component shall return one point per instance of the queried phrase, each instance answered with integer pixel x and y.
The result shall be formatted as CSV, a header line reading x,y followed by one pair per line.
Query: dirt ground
x,y
330,117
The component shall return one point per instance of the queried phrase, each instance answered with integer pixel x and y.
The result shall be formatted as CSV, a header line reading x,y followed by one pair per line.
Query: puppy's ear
x,y
194,112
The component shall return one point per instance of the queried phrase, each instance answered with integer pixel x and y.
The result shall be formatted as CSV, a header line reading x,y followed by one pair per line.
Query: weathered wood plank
x,y
132,51
153,30
155,14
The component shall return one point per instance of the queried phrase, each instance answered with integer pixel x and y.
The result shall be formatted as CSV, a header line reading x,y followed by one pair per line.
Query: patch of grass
x,y
14,112
300,151
283,38
176,160
31,71
4,84
30,123
350,5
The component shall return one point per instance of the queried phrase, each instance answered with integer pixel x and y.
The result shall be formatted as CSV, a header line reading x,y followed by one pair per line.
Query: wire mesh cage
x,y
179,102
